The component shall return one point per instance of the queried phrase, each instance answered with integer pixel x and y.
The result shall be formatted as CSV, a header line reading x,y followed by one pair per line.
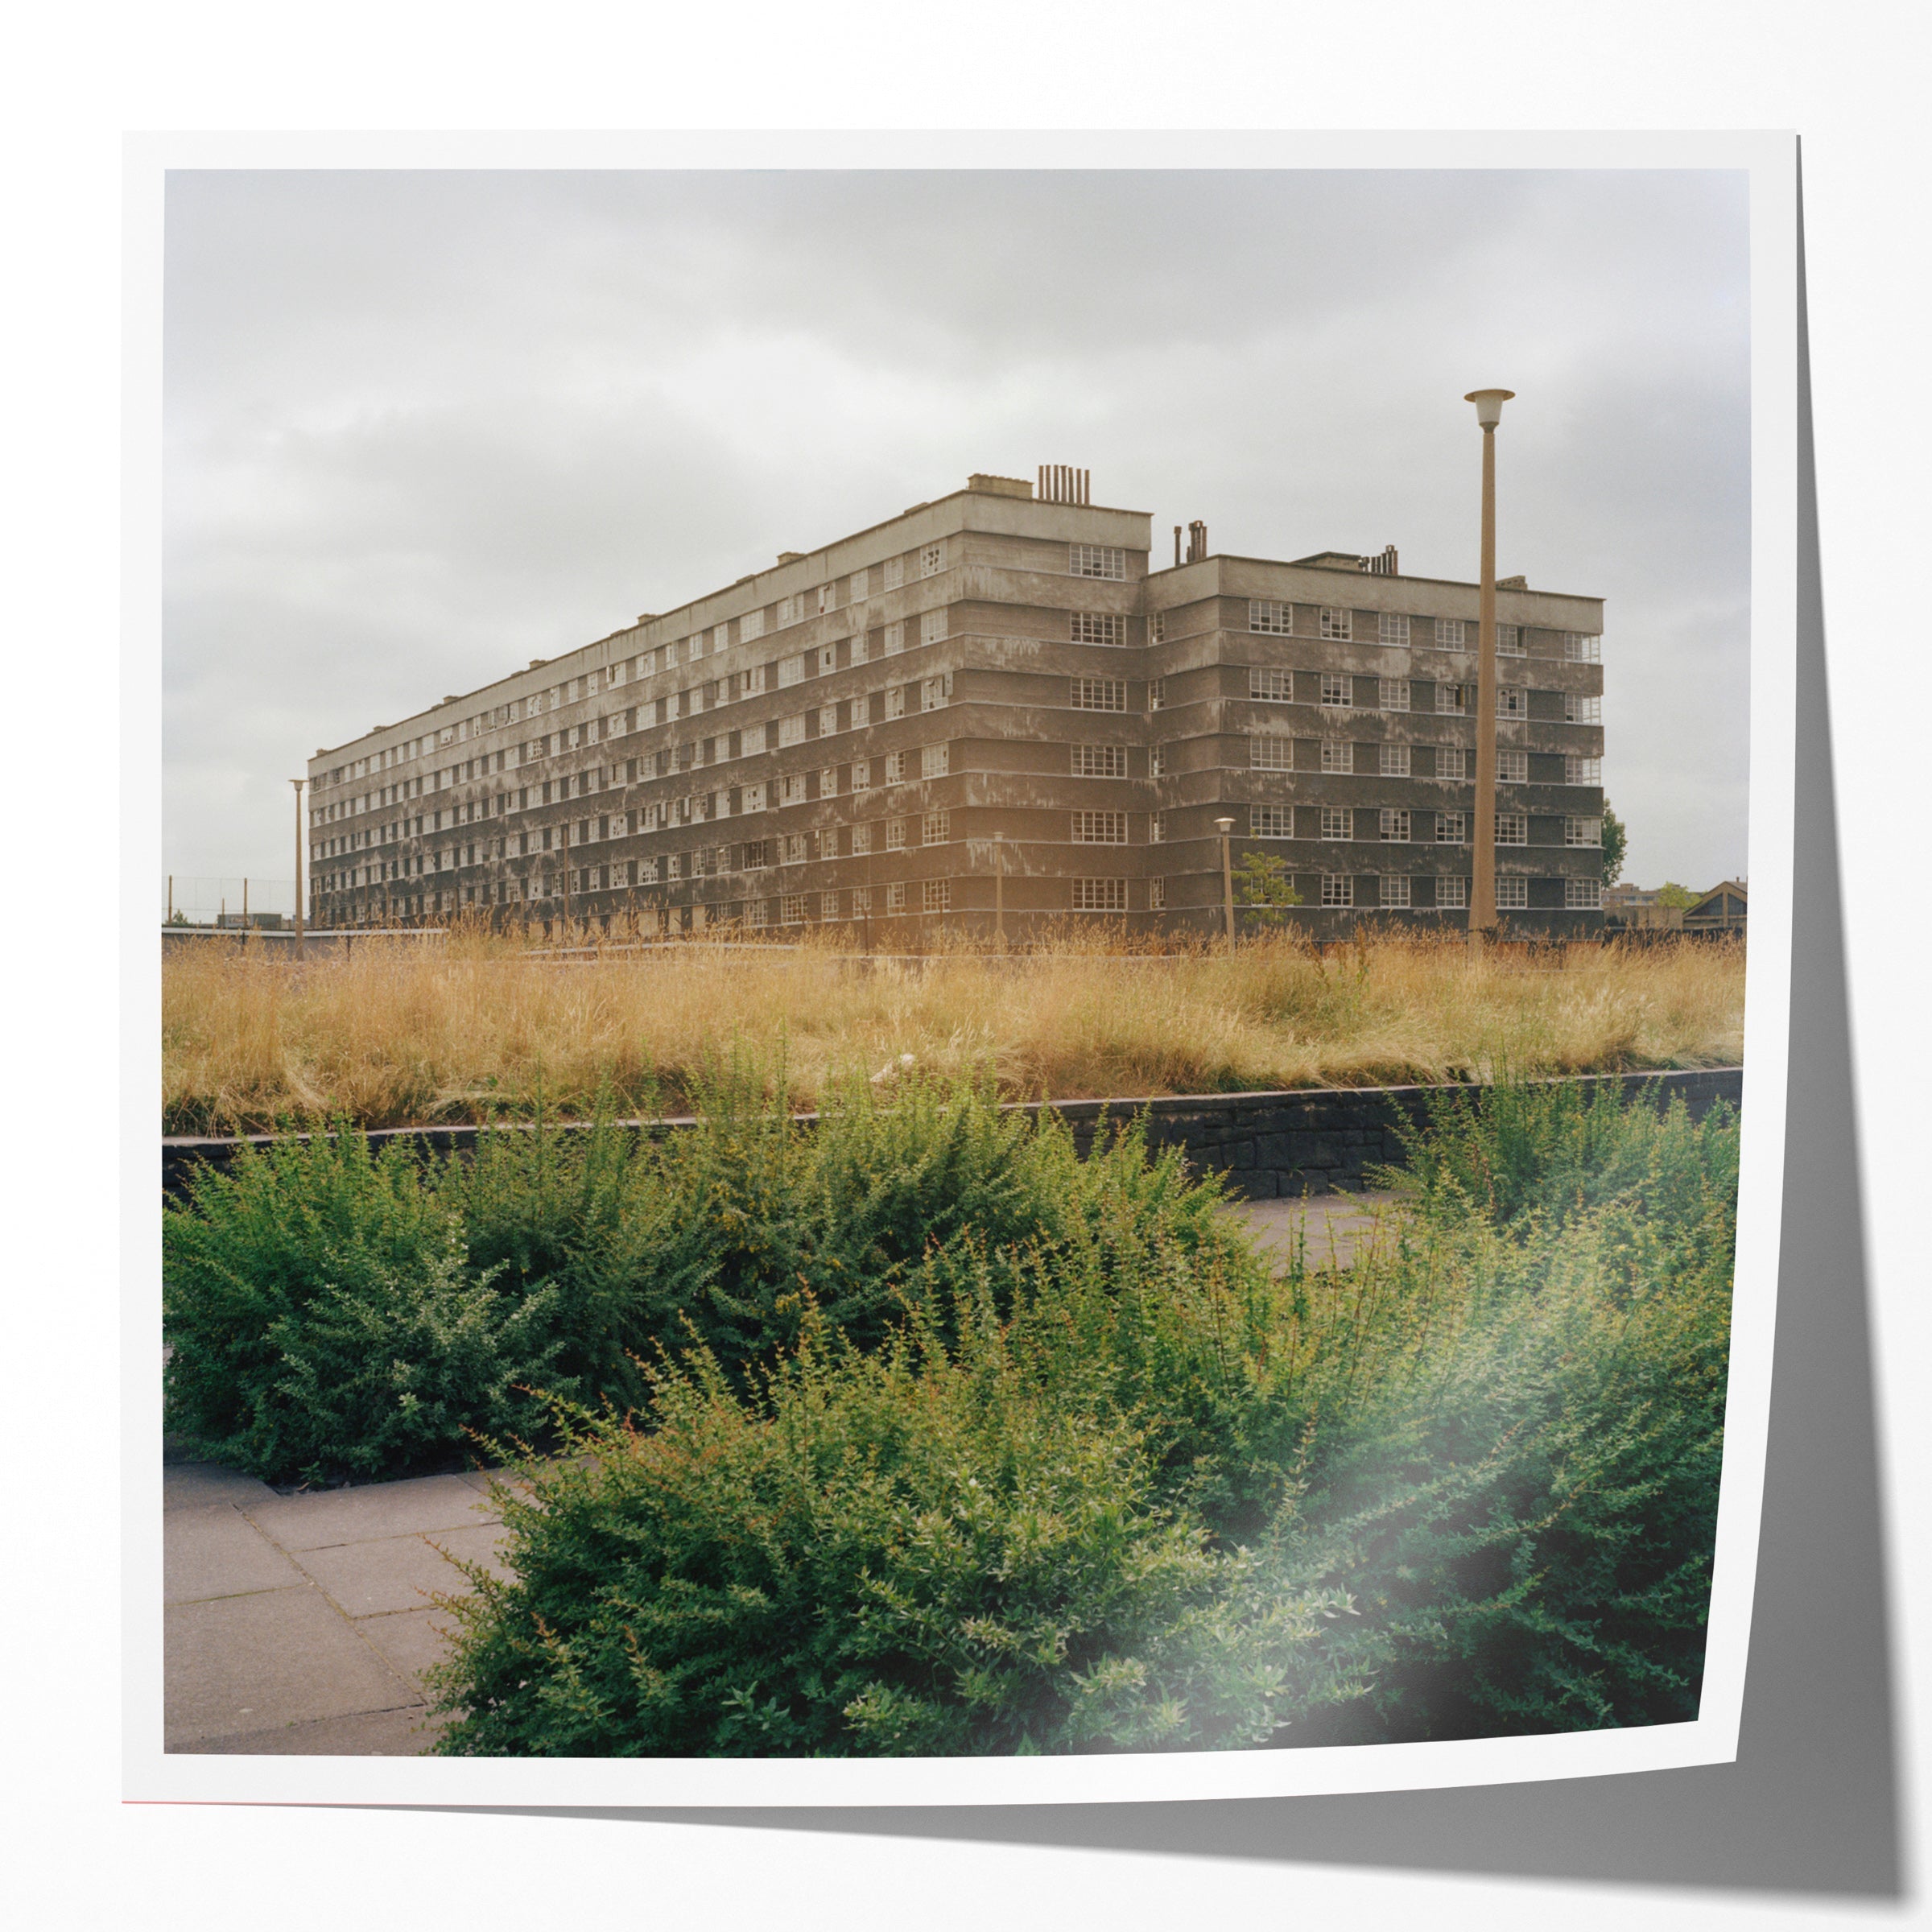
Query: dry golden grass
x,y
403,1032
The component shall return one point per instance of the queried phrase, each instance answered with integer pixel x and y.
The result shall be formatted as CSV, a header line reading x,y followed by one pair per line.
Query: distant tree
x,y
1671,894
1262,889
1615,838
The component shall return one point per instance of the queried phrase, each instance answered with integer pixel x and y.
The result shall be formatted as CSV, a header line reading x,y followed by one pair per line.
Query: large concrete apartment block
x,y
987,700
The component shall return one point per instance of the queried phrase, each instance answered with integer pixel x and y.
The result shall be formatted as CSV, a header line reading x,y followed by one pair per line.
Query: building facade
x,y
990,712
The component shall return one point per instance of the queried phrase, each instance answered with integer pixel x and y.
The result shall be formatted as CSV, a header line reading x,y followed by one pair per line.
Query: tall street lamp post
x,y
298,783
999,889
1225,827
1482,886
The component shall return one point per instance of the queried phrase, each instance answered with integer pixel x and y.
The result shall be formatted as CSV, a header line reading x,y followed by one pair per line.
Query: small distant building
x,y
1721,909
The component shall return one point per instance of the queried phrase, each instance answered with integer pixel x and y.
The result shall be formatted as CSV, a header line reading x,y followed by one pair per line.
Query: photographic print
x,y
955,945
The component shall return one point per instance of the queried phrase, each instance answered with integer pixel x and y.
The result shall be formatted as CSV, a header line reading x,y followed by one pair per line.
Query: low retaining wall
x,y
1303,1141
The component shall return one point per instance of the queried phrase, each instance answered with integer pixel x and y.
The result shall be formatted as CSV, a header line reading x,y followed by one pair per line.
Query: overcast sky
x,y
421,427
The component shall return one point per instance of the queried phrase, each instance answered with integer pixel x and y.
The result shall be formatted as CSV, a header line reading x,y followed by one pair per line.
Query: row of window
x,y
1277,620
1344,756
1343,690
1396,825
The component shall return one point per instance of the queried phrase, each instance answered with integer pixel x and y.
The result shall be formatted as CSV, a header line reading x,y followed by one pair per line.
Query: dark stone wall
x,y
1305,1141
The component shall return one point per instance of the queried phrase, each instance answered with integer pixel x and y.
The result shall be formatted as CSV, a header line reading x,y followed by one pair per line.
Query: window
x,y
862,902
1508,641
1100,761
1156,827
1270,822
1583,771
895,639
894,574
862,774
1512,767
1337,754
1452,698
1512,894
895,835
935,760
935,828
1157,628
1582,895
1096,627
1512,701
1275,620
792,909
1271,686
1451,634
757,914
1392,760
1394,889
1452,895
1099,895
936,693
1394,826
1266,753
861,840
1156,694
1392,694
791,731
1511,828
791,790
1582,831
1454,762
828,905
1391,629
1100,829
1157,895
1338,690
1452,828
1097,560
1156,761
1579,648
1336,822
932,559
1581,709
751,798
1338,889
1337,624
827,598
932,626
895,701
1100,694
858,587
895,898
792,671
935,895
794,848
829,719
895,768
790,611
751,627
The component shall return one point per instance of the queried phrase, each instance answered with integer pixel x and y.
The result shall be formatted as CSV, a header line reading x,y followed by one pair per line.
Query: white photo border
x,y
151,1775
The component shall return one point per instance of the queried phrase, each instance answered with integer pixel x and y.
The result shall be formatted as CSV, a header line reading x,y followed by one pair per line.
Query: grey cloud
x,y
422,426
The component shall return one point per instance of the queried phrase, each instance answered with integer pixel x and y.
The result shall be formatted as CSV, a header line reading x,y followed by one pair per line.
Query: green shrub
x,y
921,1550
324,1319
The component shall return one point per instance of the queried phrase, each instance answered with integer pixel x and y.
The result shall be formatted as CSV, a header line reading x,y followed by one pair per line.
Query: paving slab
x,y
407,1732
278,1656
370,1510
1336,1227
189,1485
409,1641
399,1572
213,1551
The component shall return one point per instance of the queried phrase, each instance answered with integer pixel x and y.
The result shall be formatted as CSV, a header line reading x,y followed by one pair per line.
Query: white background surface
x,y
1849,80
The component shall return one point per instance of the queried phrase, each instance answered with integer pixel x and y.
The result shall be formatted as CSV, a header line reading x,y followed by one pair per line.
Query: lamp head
x,y
1490,405
1225,825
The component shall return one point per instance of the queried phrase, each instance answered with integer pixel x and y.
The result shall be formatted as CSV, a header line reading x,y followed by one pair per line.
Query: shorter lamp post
x,y
1225,827
298,783
999,889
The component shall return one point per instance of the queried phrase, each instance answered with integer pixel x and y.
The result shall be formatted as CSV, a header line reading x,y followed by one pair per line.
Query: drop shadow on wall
x,y
1811,1805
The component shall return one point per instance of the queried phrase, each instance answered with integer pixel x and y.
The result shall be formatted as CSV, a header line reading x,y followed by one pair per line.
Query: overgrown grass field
x,y
401,1033
915,1433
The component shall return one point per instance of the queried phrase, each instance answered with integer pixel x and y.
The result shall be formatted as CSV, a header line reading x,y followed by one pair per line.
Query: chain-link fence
x,y
238,901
